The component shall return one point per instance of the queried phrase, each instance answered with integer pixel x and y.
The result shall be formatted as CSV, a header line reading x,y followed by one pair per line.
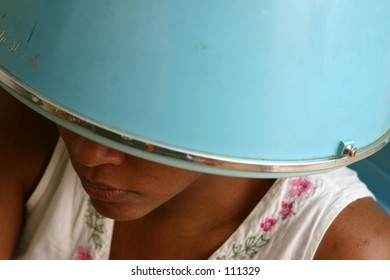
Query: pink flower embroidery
x,y
286,210
300,186
83,253
268,224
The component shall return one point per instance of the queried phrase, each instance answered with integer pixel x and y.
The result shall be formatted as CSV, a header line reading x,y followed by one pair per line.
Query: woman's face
x,y
121,186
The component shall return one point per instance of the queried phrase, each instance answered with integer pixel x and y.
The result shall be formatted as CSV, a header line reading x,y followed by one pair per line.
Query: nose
x,y
92,154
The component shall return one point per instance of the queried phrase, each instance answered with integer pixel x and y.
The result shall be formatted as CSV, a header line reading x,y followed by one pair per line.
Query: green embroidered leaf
x,y
99,228
250,248
250,242
95,222
237,248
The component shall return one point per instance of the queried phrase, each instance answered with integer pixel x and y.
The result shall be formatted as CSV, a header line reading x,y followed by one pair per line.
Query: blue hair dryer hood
x,y
243,88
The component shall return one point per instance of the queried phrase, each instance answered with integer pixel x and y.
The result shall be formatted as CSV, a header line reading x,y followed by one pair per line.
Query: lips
x,y
105,193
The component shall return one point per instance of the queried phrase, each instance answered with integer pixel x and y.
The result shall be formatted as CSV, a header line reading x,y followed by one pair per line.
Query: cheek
x,y
166,181
159,184
177,184
157,177
67,136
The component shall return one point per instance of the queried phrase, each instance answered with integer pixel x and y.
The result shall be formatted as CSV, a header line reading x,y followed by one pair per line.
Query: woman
x,y
192,129
162,212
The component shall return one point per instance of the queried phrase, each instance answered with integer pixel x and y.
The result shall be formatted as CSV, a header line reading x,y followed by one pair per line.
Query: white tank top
x,y
288,222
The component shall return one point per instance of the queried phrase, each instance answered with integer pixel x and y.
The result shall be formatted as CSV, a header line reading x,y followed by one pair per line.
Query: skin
x,y
361,231
183,208
165,197
26,143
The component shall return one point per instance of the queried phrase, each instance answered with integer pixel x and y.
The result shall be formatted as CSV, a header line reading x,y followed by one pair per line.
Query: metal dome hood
x,y
241,88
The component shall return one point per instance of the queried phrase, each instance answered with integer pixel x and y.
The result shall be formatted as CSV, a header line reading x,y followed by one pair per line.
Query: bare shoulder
x,y
361,231
26,143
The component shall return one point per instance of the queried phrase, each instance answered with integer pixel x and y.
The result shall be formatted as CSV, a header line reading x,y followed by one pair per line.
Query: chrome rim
x,y
35,100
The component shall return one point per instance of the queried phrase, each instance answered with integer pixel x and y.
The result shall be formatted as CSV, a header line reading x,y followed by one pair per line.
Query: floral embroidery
x,y
268,224
286,210
83,253
301,189
302,185
95,222
247,251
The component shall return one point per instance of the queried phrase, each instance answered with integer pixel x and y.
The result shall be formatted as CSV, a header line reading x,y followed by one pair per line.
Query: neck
x,y
212,200
206,213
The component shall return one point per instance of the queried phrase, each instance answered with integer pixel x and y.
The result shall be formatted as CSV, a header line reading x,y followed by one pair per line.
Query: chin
x,y
118,212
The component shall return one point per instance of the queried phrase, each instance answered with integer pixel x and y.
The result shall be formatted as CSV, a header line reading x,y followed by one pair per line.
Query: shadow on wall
x,y
375,172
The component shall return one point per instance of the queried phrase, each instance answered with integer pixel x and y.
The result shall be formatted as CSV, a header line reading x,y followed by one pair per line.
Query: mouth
x,y
104,192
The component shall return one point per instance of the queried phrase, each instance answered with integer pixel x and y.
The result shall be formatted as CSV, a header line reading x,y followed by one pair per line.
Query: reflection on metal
x,y
349,154
350,150
347,149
